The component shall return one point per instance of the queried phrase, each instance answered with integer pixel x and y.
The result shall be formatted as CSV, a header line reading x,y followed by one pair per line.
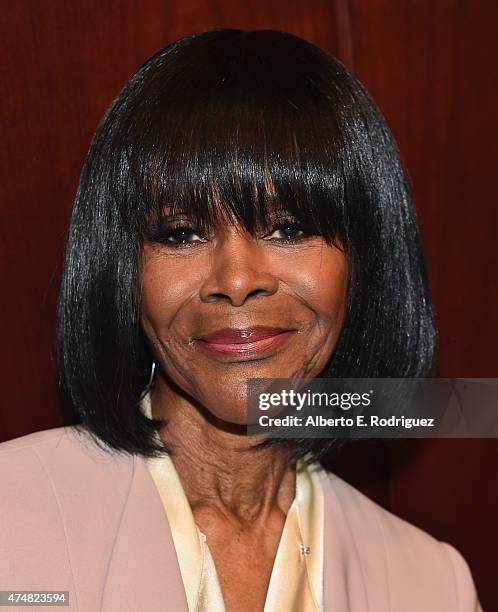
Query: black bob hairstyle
x,y
205,124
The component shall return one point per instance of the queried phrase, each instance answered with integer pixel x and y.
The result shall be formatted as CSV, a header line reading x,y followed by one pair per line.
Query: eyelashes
x,y
182,234
177,235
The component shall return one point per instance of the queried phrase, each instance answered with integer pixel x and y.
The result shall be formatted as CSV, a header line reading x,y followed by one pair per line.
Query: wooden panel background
x,y
427,63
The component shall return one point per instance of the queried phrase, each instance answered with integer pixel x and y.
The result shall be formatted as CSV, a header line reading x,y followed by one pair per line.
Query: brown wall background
x,y
428,64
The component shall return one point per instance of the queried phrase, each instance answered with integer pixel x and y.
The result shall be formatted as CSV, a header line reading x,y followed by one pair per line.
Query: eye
x,y
177,235
287,231
182,235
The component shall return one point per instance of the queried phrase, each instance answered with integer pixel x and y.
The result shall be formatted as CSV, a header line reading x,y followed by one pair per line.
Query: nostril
x,y
258,292
233,298
236,283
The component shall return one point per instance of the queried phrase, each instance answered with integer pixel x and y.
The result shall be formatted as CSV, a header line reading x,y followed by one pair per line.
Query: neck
x,y
217,464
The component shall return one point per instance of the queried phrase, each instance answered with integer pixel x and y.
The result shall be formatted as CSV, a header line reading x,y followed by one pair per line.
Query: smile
x,y
254,341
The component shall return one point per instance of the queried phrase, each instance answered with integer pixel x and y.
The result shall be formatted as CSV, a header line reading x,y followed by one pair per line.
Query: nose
x,y
239,270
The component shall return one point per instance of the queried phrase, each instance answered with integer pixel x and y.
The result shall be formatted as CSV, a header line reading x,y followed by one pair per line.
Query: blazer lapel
x,y
143,572
344,581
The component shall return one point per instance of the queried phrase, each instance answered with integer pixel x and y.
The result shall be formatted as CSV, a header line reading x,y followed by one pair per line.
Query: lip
x,y
247,341
246,335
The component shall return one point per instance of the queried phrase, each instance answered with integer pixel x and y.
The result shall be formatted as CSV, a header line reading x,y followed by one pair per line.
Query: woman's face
x,y
223,308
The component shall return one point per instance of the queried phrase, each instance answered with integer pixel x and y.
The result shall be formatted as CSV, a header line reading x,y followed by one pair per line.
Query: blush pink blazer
x,y
78,519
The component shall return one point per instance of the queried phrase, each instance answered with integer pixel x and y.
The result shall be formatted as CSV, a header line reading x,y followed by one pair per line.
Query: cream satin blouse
x,y
296,583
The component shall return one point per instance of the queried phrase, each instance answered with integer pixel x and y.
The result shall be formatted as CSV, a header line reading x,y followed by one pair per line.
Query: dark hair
x,y
205,124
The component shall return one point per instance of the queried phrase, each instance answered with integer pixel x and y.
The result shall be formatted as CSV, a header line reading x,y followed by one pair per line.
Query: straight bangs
x,y
234,133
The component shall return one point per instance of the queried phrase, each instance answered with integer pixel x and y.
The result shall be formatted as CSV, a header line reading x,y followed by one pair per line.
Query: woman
x,y
242,213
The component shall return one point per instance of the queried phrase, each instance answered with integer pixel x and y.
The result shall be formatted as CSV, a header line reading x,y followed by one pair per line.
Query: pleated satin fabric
x,y
296,583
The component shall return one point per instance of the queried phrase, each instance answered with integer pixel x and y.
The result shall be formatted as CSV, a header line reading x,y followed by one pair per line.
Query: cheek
x,y
334,290
322,282
165,289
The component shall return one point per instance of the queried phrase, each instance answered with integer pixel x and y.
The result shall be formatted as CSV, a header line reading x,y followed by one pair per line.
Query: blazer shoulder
x,y
63,441
396,532
61,505
48,436
410,553
67,460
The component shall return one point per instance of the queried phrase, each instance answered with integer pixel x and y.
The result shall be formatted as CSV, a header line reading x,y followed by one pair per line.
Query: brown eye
x,y
175,235
181,236
287,232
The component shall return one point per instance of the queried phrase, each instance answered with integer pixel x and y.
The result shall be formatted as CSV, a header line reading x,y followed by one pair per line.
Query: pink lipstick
x,y
247,341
